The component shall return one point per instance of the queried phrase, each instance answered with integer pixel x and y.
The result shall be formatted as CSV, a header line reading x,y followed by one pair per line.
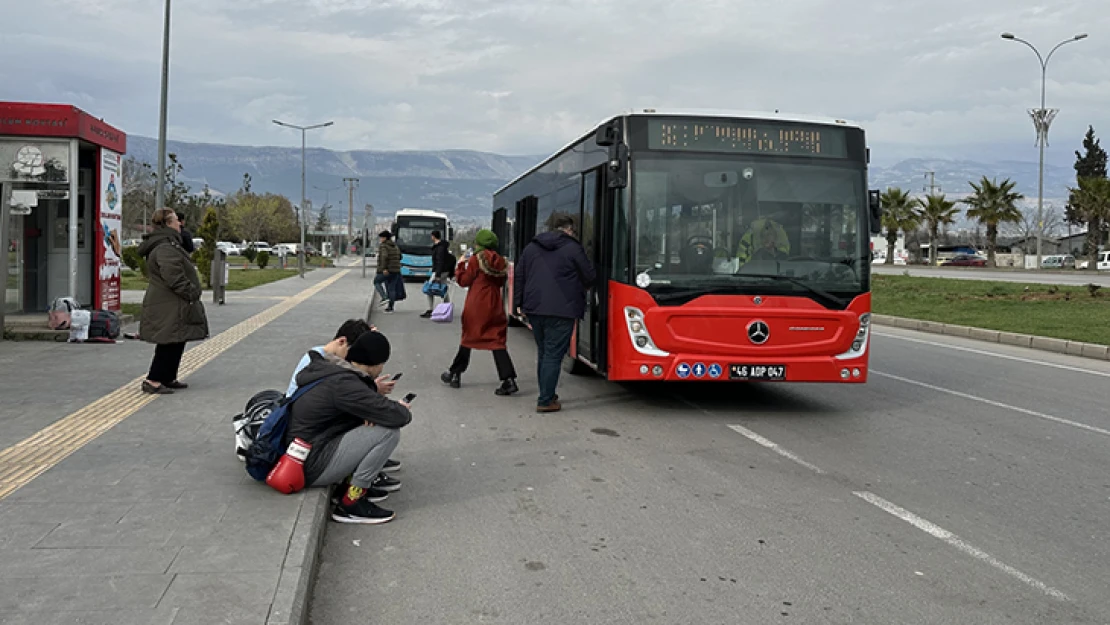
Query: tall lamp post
x,y
303,129
160,185
1042,119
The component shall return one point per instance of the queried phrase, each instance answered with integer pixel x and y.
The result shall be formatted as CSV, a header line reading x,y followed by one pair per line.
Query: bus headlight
x,y
863,335
641,339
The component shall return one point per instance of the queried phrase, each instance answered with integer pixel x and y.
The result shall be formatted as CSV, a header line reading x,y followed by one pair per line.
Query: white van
x,y
1103,260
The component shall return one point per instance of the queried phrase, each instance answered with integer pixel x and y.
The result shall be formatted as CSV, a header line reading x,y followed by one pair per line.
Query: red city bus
x,y
728,247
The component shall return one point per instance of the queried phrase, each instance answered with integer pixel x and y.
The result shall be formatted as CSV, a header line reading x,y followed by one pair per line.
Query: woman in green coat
x,y
172,311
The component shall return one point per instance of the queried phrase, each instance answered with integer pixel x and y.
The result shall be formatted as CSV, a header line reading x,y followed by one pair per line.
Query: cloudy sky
x,y
525,76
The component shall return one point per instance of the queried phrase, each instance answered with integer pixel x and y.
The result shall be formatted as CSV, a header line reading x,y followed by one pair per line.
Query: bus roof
x,y
419,212
723,113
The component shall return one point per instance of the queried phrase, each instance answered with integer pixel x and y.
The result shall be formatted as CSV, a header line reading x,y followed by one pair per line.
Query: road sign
x,y
683,370
699,370
715,371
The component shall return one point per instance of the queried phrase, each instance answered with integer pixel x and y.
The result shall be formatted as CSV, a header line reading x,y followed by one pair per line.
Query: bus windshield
x,y
741,224
414,234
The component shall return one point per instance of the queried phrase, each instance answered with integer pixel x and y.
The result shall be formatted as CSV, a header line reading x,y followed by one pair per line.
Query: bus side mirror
x,y
876,205
451,233
618,166
607,134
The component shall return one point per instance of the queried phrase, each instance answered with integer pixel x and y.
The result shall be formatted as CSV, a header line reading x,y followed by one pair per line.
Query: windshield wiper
x,y
822,296
671,296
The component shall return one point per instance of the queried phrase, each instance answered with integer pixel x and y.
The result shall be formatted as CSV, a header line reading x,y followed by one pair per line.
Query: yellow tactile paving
x,y
31,457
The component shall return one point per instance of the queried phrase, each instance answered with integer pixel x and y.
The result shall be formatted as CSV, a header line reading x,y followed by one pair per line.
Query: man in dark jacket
x,y
352,428
549,287
441,271
389,270
186,236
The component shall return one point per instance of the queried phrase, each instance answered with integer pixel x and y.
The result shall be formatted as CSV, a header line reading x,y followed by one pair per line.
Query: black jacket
x,y
440,262
551,277
187,240
345,400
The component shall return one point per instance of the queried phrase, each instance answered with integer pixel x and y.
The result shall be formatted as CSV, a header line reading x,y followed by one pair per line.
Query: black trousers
x,y
167,360
505,369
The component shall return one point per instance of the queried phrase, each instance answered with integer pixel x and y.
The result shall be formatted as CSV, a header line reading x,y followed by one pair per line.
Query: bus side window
x,y
621,235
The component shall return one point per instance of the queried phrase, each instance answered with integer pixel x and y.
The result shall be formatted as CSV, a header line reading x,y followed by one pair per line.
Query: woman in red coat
x,y
484,324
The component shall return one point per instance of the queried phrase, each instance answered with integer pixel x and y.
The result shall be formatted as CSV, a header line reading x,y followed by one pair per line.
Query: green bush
x,y
250,254
263,259
133,260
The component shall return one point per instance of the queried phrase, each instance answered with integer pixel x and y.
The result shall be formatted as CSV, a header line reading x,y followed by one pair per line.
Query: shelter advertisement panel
x,y
109,252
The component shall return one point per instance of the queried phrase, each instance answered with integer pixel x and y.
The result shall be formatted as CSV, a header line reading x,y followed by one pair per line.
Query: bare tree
x,y
1052,226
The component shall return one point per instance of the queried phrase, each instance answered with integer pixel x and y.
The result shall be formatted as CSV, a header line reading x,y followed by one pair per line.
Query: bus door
x,y
590,343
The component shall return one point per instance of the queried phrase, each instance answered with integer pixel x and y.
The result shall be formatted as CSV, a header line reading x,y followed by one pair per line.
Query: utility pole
x,y
351,184
932,187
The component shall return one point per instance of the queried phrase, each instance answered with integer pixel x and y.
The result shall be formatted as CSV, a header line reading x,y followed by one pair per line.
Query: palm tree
x,y
901,213
937,211
1092,203
993,203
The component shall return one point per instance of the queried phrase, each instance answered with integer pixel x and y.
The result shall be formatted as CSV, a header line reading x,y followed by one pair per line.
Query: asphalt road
x,y
963,484
1079,278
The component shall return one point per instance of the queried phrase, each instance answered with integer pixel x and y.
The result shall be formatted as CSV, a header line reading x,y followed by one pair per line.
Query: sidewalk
x,y
154,521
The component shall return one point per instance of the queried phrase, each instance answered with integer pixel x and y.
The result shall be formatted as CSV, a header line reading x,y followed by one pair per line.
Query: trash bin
x,y
220,274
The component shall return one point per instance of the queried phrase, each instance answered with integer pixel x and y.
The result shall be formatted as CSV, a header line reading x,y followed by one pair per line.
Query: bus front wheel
x,y
573,366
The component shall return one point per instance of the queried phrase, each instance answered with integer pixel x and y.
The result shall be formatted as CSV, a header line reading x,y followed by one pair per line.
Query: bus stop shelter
x,y
61,199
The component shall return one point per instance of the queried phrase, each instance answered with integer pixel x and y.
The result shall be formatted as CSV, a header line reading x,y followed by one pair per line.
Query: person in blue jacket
x,y
549,288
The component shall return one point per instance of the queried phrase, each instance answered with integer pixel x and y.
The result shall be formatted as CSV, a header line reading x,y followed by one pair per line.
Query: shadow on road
x,y
727,398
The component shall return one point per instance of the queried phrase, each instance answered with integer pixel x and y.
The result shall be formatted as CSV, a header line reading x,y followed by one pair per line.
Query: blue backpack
x,y
266,449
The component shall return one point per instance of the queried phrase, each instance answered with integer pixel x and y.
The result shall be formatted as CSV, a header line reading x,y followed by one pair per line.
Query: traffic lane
x,y
1064,388
508,516
1078,278
1030,492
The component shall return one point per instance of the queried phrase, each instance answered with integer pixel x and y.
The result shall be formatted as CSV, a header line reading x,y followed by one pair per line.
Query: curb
x,y
1040,343
298,573
293,598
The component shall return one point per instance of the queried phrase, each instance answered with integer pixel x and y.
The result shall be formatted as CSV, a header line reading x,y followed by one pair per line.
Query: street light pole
x,y
160,185
1042,120
303,129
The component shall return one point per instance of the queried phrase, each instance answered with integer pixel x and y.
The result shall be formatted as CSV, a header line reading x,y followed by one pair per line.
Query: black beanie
x,y
372,348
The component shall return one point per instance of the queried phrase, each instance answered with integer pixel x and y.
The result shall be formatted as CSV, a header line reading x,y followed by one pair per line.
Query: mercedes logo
x,y
758,332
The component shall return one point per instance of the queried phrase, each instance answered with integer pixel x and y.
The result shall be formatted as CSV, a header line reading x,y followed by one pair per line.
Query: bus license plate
x,y
757,372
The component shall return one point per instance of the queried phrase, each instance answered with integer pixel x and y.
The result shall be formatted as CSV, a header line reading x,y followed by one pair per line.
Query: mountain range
x,y
461,182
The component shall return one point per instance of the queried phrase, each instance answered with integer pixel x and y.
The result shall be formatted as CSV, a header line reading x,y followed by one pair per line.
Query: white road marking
x,y
996,404
939,532
766,442
983,352
775,447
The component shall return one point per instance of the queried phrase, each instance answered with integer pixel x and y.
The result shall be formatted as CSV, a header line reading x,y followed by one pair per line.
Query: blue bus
x,y
412,230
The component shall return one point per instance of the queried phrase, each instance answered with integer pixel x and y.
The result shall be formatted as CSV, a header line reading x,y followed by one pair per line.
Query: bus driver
x,y
765,240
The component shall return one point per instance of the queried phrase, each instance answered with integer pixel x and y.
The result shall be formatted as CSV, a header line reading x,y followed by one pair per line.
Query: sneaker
x,y
383,303
391,466
389,309
373,494
362,512
387,484
554,406
508,387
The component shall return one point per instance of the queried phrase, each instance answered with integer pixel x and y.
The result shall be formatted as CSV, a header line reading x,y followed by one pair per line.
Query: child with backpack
x,y
352,429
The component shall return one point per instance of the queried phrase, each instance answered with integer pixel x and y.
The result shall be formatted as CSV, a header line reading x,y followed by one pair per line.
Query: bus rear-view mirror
x,y
876,206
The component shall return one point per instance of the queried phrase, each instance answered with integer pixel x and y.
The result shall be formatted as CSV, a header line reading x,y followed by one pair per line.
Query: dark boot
x,y
452,379
508,387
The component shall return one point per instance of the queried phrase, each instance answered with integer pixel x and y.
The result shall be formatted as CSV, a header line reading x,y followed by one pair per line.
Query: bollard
x,y
220,274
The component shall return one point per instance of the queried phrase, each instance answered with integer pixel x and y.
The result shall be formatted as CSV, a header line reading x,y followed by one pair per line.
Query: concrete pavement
x,y
965,483
1074,278
140,513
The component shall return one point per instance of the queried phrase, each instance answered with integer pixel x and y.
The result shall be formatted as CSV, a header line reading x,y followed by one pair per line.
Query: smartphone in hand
x,y
397,377
408,398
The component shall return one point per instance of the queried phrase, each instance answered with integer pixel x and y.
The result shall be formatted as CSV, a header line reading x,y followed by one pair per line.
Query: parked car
x,y
231,249
965,260
262,246
1058,261
1102,261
